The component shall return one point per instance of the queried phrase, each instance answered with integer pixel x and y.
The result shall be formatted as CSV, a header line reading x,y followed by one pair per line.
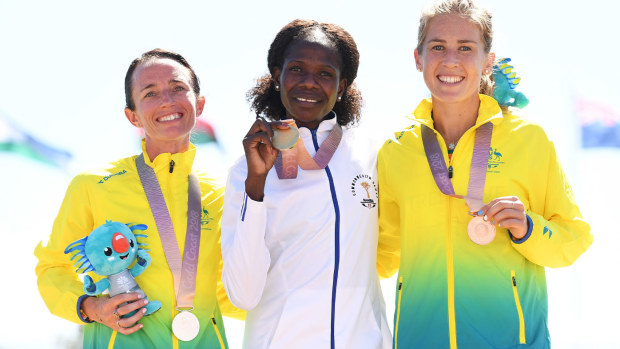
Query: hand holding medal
x,y
507,212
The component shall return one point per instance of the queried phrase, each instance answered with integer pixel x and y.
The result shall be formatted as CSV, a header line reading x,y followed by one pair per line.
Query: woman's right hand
x,y
109,311
260,155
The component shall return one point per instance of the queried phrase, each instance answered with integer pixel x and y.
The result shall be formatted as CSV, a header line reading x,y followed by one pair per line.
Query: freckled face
x,y
453,58
166,105
309,81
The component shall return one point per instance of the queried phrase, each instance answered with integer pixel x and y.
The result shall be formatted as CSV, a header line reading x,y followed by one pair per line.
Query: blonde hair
x,y
469,10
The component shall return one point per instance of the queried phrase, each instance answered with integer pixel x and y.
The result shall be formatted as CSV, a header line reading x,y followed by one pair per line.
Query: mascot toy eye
x,y
505,83
109,251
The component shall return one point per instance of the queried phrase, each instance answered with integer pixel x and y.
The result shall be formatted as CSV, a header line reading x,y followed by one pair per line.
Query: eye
x,y
149,94
107,251
179,88
465,48
437,48
326,74
131,242
294,68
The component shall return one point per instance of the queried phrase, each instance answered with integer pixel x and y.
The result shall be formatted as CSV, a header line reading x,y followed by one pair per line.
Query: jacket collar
x,y
489,110
183,160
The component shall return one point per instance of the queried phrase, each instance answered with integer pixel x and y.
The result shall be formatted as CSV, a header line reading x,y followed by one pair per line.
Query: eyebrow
x,y
463,41
171,81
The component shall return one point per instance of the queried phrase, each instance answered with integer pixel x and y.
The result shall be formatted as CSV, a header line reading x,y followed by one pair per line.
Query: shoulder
x,y
401,139
519,126
105,173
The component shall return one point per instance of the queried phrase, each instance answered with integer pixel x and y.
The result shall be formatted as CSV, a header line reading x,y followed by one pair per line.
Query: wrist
x,y
80,308
255,187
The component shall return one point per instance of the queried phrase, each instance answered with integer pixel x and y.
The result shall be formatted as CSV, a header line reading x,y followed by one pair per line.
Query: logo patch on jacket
x,y
364,187
105,179
205,219
547,230
495,160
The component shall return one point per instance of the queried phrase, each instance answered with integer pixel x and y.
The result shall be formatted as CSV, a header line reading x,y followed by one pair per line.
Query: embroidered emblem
x,y
547,230
364,187
205,219
495,160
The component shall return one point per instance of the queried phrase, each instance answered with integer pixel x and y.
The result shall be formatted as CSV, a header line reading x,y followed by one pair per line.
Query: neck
x,y
154,148
452,120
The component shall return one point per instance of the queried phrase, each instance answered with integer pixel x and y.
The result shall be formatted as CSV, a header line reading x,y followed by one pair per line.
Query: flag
x,y
203,132
15,140
600,124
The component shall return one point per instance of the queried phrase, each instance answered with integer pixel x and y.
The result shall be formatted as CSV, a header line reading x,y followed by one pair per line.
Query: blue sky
x,y
62,68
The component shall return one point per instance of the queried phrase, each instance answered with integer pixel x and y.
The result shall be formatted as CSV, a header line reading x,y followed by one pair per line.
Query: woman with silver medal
x,y
162,189
299,228
474,204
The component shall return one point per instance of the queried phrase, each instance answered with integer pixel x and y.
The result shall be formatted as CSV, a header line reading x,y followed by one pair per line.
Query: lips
x,y
170,117
306,99
450,79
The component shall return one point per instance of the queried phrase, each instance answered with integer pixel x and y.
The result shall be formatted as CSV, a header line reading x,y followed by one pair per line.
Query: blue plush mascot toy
x,y
109,250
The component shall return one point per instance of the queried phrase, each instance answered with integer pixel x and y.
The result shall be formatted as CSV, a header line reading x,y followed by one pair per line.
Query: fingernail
x,y
146,301
485,218
139,296
480,212
143,310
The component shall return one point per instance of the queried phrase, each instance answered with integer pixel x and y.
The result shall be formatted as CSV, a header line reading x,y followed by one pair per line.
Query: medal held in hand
x,y
480,231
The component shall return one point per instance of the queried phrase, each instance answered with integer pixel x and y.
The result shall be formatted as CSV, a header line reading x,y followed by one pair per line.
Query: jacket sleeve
x,y
557,234
57,280
388,249
244,252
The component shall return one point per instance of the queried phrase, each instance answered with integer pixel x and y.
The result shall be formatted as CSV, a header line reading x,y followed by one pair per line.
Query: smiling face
x,y
111,248
309,80
453,59
165,105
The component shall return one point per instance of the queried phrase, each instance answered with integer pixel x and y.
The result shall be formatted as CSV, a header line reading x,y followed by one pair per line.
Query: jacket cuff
x,y
530,226
80,313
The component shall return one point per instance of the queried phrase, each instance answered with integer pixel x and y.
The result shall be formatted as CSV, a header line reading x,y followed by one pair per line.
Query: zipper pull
x,y
400,285
213,320
171,165
514,281
450,171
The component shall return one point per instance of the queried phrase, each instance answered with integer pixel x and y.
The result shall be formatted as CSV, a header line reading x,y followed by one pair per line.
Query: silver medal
x,y
185,326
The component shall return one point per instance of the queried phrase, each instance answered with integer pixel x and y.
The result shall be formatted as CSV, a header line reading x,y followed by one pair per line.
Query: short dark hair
x,y
151,55
265,100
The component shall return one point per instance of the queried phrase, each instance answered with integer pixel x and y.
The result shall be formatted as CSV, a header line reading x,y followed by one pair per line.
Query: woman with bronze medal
x,y
299,229
473,201
181,207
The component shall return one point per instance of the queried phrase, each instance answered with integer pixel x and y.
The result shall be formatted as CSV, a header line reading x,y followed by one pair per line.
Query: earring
x,y
339,98
486,72
277,87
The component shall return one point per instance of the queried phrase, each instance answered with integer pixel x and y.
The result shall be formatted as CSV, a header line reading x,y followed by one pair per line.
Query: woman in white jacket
x,y
299,243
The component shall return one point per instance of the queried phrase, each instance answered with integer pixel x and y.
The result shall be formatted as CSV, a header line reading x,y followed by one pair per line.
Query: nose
x,y
166,97
450,59
308,80
120,243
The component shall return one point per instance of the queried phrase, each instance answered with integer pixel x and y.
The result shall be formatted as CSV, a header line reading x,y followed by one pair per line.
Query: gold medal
x,y
285,139
480,231
185,326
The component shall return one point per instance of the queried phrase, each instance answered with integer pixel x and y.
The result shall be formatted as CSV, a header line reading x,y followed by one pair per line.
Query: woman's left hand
x,y
507,212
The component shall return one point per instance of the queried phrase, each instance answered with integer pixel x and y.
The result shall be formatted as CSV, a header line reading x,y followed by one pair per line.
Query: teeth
x,y
169,117
306,100
450,79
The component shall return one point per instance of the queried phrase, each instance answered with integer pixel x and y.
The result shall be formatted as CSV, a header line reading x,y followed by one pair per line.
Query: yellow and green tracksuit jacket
x,y
451,292
115,193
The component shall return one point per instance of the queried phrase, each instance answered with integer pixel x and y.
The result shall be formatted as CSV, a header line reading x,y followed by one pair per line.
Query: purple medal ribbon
x,y
477,171
183,271
288,160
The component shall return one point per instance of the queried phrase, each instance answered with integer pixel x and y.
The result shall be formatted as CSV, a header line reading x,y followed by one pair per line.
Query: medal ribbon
x,y
288,160
183,271
477,171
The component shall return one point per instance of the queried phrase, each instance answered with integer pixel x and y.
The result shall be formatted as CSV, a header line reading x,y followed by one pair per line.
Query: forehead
x,y
313,49
160,70
453,27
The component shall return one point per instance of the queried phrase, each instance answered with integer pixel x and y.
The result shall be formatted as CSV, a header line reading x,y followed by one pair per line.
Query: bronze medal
x,y
480,231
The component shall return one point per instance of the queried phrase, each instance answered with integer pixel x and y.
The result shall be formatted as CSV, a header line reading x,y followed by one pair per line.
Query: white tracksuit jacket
x,y
303,261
